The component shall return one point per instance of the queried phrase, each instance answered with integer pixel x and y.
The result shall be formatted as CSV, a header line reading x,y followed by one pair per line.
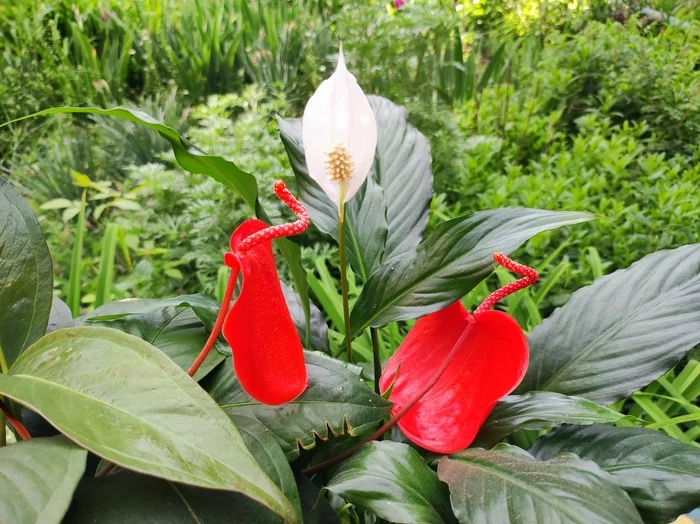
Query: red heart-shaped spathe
x,y
267,355
490,364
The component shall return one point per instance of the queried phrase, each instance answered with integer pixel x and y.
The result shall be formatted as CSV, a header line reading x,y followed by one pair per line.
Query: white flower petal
x,y
339,113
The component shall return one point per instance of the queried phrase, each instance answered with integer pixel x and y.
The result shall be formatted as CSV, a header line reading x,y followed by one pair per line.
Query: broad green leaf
x,y
402,169
128,497
137,409
267,452
336,399
319,329
38,479
125,497
26,277
365,223
507,484
660,474
449,263
194,161
622,331
176,330
60,316
540,410
315,508
392,481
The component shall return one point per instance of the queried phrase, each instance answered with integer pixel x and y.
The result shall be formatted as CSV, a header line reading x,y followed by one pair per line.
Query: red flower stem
x,y
233,276
15,423
392,422
281,230
529,274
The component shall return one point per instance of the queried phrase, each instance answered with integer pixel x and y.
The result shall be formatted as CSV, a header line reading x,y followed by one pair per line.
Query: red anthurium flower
x,y
485,355
267,355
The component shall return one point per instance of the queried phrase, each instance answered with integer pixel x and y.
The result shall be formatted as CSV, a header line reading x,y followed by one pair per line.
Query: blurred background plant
x,y
589,105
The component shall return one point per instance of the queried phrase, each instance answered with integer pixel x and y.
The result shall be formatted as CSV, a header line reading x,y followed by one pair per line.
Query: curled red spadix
x,y
267,354
489,363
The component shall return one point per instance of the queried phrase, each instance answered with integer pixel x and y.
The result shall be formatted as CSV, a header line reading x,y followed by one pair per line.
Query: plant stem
x,y
109,467
16,424
392,422
377,359
343,271
233,276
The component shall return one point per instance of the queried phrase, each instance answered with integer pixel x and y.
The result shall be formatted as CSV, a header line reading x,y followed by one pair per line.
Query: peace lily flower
x,y
340,135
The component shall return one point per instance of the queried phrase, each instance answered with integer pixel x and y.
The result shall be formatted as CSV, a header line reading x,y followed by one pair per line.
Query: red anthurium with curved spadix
x,y
478,358
268,358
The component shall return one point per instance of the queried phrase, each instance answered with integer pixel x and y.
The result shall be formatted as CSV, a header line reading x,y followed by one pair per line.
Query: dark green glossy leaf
x,y
335,399
365,223
660,474
392,481
508,485
315,508
449,263
267,452
402,169
26,277
540,410
621,332
137,409
319,329
176,330
38,479
194,161
60,316
126,497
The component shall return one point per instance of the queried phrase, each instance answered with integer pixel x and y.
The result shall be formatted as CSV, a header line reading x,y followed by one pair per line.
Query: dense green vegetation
x,y
543,105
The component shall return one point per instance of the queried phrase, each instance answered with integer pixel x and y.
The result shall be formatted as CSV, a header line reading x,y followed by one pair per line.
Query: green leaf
x,y
506,484
128,497
105,277
60,316
38,479
402,169
392,481
26,277
137,409
660,474
449,263
194,161
365,223
74,281
335,399
268,453
319,328
176,330
622,331
540,410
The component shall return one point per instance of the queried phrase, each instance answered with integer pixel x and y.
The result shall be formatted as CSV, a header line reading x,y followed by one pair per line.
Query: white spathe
x,y
339,114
